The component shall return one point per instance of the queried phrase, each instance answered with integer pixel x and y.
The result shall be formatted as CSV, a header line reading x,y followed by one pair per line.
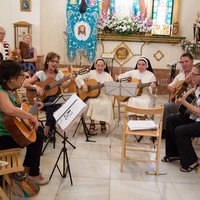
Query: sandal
x,y
169,159
189,169
103,127
92,129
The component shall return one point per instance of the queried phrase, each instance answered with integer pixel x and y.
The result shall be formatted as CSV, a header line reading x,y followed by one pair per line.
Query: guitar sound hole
x,y
47,87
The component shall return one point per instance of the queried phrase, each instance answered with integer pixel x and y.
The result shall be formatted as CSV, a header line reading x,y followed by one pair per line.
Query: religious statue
x,y
197,27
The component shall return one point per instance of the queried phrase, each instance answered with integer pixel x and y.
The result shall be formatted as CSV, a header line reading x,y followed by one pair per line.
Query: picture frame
x,y
25,5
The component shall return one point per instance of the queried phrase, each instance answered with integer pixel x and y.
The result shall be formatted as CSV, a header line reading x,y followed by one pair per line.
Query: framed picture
x,y
25,5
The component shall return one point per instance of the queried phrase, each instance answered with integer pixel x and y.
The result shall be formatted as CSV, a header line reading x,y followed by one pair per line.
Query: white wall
x,y
49,21
10,13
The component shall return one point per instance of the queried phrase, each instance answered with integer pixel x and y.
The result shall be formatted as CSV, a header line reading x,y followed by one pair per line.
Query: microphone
x,y
173,64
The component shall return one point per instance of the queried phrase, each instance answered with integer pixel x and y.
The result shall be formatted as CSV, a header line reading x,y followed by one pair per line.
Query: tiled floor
x,y
95,170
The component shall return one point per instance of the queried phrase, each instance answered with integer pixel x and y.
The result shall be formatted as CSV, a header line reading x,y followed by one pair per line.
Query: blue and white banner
x,y
82,29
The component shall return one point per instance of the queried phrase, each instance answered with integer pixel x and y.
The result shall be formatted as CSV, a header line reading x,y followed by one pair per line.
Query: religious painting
x,y
25,5
82,31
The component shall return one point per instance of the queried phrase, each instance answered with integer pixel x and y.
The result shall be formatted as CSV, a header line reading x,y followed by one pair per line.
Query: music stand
x,y
120,89
62,98
65,116
85,129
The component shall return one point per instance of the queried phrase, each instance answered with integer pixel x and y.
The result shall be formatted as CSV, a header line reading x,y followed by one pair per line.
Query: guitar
x,y
93,90
20,129
180,87
139,89
191,98
50,86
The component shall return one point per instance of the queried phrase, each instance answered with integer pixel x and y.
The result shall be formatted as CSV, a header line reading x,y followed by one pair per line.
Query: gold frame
x,y
25,5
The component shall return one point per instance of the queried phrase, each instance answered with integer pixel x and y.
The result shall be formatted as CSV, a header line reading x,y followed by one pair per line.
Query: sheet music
x,y
120,88
112,88
128,89
141,124
66,115
61,99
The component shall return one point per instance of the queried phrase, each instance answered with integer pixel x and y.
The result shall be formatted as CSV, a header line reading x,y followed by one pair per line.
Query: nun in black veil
x,y
99,108
143,73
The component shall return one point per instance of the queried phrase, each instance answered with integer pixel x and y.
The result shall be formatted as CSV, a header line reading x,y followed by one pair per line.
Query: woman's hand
x,y
154,87
34,122
72,77
39,90
85,88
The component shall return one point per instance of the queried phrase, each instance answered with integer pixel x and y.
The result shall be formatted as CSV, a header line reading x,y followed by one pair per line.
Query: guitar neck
x,y
33,110
142,85
94,87
54,84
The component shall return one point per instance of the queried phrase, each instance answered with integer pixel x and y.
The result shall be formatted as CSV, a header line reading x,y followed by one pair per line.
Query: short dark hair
x,y
189,55
9,69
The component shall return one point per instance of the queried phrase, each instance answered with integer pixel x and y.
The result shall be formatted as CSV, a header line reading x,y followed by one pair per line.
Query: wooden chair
x,y
13,157
145,145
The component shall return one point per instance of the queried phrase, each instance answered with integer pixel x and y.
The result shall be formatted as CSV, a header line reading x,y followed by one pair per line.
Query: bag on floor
x,y
23,185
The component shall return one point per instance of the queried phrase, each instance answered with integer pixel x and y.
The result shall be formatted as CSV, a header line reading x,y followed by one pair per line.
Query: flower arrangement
x,y
126,25
191,47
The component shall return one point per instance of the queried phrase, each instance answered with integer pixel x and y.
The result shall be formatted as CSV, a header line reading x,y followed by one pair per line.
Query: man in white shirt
x,y
170,108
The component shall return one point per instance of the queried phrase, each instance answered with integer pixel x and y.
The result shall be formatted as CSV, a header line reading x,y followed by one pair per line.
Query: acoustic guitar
x,y
191,98
50,86
139,88
93,90
20,129
180,88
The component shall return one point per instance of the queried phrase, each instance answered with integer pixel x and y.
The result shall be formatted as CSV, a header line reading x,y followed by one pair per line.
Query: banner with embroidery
x,y
82,29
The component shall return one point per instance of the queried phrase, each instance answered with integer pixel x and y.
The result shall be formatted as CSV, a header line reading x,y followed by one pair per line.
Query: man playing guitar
x,y
177,86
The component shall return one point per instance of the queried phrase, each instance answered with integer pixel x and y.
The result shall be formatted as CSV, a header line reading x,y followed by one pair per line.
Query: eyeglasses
x,y
55,61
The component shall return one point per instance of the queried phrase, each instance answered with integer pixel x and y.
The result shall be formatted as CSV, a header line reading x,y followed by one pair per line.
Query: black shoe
x,y
163,134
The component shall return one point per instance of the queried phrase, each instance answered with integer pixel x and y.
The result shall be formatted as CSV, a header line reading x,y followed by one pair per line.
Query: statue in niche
x,y
197,27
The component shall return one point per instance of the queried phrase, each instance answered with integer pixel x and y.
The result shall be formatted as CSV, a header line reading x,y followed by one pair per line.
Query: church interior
x,y
80,37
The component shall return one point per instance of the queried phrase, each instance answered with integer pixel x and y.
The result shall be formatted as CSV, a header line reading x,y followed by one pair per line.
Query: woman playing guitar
x,y
143,72
100,108
49,73
11,78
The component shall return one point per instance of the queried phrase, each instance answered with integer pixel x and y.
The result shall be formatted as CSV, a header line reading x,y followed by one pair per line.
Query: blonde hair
x,y
25,35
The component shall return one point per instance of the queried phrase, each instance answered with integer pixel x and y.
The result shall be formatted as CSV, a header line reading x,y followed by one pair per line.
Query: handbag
x,y
23,185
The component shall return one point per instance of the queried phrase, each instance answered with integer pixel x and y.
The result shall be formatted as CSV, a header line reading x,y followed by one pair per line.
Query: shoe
x,y
103,127
169,159
40,179
92,129
190,168
163,134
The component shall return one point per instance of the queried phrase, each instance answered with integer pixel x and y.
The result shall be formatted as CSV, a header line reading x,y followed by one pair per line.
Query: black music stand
x,y
62,98
65,116
85,129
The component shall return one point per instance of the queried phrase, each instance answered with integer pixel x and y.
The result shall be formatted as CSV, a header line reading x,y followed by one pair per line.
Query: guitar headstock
x,y
126,79
82,71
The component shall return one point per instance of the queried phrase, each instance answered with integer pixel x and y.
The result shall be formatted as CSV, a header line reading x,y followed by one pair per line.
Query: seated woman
x,y
11,78
99,108
144,73
28,63
50,71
